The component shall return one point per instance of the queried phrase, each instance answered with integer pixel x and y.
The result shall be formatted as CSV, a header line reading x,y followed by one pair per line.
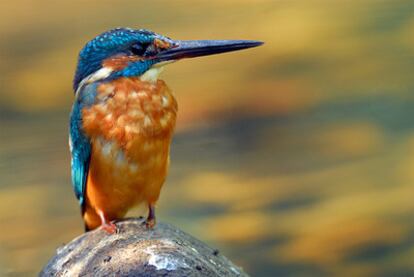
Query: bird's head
x,y
125,52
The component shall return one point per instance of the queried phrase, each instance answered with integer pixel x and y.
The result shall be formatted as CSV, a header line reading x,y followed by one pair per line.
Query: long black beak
x,y
198,48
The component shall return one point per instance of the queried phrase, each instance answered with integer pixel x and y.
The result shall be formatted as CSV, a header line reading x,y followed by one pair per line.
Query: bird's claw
x,y
110,228
149,223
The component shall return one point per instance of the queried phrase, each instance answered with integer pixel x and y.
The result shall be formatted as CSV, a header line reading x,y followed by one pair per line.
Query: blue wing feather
x,y
79,143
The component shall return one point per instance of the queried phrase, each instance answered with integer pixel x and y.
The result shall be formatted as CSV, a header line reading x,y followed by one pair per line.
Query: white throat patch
x,y
151,75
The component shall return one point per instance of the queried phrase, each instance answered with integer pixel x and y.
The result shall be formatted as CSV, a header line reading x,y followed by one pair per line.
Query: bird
x,y
123,119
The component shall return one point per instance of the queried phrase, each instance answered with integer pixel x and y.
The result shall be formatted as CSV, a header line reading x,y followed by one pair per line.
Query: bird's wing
x,y
79,143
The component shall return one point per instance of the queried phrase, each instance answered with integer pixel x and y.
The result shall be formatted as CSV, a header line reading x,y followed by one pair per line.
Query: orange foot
x,y
110,228
150,223
107,225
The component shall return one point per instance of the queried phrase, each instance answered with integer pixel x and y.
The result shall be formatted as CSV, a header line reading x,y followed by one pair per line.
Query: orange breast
x,y
130,127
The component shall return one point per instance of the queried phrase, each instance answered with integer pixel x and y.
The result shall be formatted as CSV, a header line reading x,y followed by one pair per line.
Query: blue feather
x,y
133,69
80,143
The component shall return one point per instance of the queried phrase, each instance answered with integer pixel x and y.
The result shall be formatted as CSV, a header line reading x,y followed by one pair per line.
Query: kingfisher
x,y
123,119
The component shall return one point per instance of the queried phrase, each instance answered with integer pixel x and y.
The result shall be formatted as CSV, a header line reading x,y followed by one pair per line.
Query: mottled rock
x,y
136,251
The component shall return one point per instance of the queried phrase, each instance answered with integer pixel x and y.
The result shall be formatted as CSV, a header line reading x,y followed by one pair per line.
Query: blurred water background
x,y
295,158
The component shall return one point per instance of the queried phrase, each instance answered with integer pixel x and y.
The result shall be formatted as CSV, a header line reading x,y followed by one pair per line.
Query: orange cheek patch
x,y
161,44
119,62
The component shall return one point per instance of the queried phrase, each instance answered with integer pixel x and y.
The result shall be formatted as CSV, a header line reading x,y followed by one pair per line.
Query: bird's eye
x,y
138,49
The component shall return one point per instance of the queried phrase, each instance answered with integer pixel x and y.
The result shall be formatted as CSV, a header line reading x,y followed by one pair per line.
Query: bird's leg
x,y
109,227
150,222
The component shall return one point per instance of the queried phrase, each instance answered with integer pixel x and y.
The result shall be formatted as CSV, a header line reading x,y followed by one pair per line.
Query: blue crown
x,y
107,44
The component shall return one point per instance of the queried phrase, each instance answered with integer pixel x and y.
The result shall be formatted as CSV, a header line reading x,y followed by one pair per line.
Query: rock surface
x,y
136,251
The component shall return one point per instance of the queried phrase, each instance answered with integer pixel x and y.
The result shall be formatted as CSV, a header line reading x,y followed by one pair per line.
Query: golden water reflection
x,y
295,158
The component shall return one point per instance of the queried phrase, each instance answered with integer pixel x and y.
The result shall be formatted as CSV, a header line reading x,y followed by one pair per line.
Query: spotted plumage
x,y
123,119
131,126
